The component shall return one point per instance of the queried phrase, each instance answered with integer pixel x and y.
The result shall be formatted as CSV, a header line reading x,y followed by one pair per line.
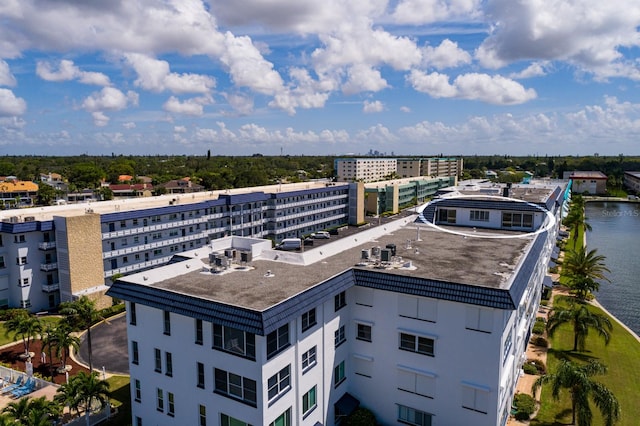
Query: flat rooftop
x,y
262,283
141,203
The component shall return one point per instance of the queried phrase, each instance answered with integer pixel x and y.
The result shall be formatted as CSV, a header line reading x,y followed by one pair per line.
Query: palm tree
x,y
583,269
33,411
581,319
82,313
49,342
6,420
25,326
89,389
66,395
577,379
65,340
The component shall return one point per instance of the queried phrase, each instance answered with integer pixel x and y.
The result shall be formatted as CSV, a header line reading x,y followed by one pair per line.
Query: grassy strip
x,y
120,400
621,356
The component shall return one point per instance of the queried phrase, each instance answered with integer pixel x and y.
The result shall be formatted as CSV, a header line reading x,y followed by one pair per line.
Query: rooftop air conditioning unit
x,y
366,253
230,253
29,218
245,256
385,255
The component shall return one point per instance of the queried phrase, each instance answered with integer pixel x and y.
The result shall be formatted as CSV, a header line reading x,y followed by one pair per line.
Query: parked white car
x,y
321,235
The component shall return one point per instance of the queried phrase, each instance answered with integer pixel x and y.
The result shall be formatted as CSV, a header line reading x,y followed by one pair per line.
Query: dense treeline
x,y
542,166
233,172
212,172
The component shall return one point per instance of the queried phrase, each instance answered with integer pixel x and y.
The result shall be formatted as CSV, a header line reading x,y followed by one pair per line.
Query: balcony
x,y
47,245
52,266
50,288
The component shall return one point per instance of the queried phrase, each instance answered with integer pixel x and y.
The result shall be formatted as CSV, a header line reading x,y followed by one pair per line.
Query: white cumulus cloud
x,y
10,105
66,70
445,55
6,78
155,75
496,89
369,107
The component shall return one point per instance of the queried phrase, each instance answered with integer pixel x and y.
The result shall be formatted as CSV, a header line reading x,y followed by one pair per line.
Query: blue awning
x,y
552,264
547,281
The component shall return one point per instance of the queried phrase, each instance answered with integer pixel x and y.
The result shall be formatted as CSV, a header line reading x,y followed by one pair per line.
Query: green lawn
x,y
621,356
120,399
10,338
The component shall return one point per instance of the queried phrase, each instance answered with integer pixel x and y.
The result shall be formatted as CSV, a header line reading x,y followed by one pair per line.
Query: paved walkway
x,y
109,344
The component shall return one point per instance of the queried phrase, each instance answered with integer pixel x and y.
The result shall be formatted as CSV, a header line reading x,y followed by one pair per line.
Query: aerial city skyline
x,y
420,77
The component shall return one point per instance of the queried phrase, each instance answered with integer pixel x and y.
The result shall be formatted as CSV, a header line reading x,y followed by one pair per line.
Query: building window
x,y
171,409
24,282
411,416
167,323
308,319
479,216
517,220
279,383
2,264
364,332
475,398
447,216
235,386
338,374
234,341
202,415
19,239
283,419
308,359
277,341
160,400
200,373
133,318
138,421
309,401
230,421
506,349
168,358
419,383
158,360
362,365
199,335
340,301
21,260
418,344
135,358
339,336
137,391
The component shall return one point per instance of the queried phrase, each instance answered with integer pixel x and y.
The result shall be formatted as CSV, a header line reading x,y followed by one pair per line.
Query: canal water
x,y
616,235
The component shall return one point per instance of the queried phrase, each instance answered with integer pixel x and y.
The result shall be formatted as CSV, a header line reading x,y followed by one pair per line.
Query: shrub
x,y
540,341
529,369
525,406
360,417
538,328
539,364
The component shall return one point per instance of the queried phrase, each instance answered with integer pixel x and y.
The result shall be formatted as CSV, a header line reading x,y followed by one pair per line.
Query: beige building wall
x,y
80,266
356,203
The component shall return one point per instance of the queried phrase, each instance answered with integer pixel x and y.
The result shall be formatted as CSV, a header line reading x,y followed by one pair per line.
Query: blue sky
x,y
412,77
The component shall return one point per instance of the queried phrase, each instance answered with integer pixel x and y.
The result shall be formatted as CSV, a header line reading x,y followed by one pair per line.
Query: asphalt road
x,y
109,344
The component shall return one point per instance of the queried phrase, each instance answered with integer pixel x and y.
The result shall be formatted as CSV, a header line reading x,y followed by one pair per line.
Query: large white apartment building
x,y
364,169
423,320
52,254
377,169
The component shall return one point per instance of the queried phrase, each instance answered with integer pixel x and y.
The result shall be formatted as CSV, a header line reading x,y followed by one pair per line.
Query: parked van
x,y
290,244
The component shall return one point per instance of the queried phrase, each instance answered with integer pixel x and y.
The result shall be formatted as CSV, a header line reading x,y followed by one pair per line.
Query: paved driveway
x,y
109,344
